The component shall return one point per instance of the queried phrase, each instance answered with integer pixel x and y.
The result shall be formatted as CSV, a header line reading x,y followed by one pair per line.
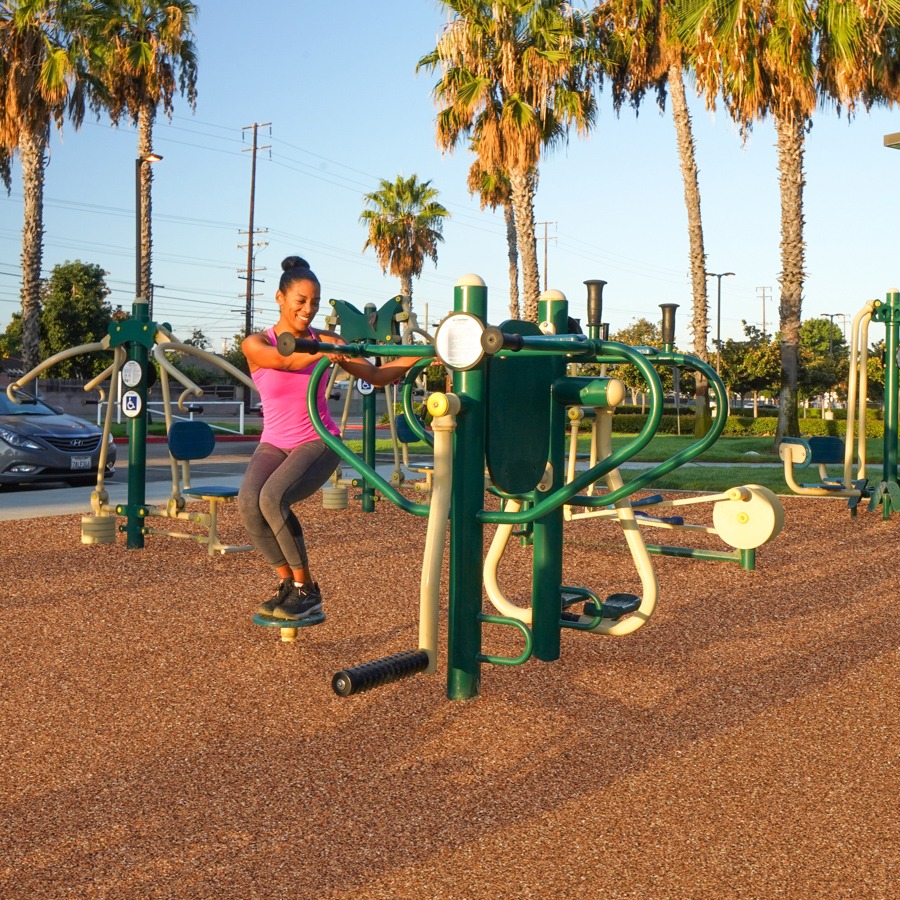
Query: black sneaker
x,y
283,592
301,603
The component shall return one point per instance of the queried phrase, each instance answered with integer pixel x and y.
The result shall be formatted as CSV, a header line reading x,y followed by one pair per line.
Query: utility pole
x,y
251,279
763,293
248,311
545,224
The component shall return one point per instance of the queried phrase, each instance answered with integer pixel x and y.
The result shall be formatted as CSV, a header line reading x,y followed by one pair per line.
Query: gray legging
x,y
274,480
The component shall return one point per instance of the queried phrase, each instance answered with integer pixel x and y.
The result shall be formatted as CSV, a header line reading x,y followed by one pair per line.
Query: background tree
x,y
785,59
751,365
515,74
643,52
43,71
11,342
405,225
824,359
875,370
198,339
640,333
762,364
494,189
147,56
75,312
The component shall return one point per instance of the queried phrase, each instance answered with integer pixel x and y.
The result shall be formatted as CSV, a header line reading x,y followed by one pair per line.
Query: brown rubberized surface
x,y
156,743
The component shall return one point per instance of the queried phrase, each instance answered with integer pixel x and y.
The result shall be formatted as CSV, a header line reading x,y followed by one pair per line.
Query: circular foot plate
x,y
272,622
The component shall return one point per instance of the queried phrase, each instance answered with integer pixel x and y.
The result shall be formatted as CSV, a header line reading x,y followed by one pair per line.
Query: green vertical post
x,y
466,530
891,394
368,429
137,428
546,585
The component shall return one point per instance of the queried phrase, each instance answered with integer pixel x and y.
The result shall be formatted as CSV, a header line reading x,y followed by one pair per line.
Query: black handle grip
x,y
379,672
493,340
288,344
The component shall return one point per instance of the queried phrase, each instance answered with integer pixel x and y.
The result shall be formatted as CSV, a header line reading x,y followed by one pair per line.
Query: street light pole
x,y
719,276
831,317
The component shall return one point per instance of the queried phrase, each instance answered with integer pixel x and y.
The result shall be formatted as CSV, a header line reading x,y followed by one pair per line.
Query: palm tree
x,y
784,59
494,189
643,52
148,56
515,75
405,224
43,47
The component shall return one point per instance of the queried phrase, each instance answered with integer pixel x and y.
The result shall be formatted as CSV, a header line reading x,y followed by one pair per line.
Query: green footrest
x,y
614,606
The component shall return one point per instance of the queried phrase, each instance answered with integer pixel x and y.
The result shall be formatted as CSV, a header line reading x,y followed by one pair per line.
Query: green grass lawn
x,y
726,449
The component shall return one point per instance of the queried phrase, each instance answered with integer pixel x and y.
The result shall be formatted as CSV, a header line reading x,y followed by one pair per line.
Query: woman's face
x,y
299,304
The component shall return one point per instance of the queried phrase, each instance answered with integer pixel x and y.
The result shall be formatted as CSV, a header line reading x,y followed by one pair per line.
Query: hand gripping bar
x,y
288,344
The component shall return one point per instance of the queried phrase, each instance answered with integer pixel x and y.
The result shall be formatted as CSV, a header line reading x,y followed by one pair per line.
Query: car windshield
x,y
30,406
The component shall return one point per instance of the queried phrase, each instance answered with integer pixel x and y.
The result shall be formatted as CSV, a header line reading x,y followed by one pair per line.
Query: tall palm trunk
x,y
145,147
700,314
406,285
513,256
791,143
32,148
522,184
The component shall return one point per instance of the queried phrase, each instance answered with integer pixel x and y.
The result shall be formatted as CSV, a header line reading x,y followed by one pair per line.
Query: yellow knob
x,y
438,405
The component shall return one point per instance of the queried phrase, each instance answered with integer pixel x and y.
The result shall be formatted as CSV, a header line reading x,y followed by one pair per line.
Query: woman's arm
x,y
263,355
391,370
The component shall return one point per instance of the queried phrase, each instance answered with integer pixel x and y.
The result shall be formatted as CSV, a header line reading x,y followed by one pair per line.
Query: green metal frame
x,y
887,494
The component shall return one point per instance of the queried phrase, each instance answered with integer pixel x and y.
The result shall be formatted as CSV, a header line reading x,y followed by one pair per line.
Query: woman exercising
x,y
292,462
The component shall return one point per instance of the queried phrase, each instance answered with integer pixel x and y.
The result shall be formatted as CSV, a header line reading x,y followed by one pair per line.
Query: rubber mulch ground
x,y
155,743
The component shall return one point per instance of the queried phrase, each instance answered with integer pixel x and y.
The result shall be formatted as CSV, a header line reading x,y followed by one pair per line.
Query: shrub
x,y
744,426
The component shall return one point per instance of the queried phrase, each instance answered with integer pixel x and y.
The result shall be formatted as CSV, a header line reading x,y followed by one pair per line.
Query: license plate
x,y
80,462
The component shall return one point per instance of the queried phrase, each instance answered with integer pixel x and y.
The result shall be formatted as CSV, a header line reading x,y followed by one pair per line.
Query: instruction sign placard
x,y
132,373
458,341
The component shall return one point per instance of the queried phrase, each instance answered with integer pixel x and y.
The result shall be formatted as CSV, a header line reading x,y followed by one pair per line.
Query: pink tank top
x,y
286,422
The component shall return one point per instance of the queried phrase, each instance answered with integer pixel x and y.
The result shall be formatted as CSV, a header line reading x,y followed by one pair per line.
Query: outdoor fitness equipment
x,y
798,453
424,657
507,412
131,340
372,327
744,517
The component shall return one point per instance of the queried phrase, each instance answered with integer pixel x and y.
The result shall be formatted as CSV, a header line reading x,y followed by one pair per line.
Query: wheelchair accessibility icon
x,y
131,404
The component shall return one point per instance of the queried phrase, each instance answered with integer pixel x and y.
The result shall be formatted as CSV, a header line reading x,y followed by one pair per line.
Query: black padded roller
x,y
493,340
379,672
288,344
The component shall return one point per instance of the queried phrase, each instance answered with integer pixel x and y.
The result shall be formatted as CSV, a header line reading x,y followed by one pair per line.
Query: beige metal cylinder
x,y
98,529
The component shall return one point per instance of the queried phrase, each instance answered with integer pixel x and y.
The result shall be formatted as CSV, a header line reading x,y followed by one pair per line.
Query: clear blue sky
x,y
338,85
